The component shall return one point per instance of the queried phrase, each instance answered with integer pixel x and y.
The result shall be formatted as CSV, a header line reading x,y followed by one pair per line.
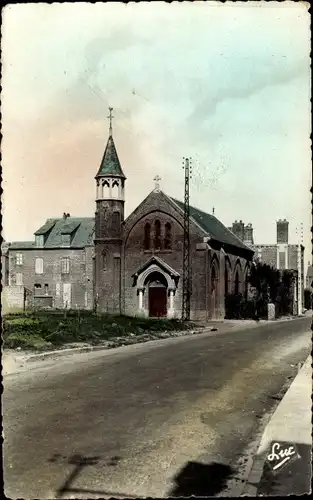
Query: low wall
x,y
15,298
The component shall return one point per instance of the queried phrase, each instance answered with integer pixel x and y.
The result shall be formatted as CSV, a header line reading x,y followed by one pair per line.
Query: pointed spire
x,y
110,164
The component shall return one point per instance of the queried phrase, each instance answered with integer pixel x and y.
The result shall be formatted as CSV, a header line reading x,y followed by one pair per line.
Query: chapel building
x,y
139,260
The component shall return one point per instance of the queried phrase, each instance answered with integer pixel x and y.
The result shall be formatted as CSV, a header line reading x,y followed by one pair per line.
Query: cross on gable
x,y
157,179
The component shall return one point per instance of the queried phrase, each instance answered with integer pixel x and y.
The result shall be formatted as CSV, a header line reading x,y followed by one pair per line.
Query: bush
x,y
237,307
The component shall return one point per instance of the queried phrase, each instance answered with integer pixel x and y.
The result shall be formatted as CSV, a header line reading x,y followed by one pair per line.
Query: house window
x,y
57,289
19,279
147,237
65,265
65,240
39,265
46,289
39,240
157,235
19,259
168,237
37,288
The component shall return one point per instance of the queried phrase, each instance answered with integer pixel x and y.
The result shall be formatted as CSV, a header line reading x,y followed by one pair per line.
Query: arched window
x,y
105,189
246,287
104,260
226,280
213,279
116,219
168,237
147,238
237,283
115,186
246,283
157,235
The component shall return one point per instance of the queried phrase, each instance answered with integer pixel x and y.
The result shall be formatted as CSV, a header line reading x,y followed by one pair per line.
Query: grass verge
x,y
52,329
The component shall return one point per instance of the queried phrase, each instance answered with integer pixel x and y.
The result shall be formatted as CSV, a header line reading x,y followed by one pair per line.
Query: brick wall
x,y
266,253
80,277
134,255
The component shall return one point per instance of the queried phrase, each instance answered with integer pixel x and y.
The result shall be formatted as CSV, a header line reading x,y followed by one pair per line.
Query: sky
x,y
227,84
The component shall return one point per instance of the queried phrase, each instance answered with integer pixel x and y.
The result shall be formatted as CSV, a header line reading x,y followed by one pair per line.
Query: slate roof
x,y
110,164
81,229
213,227
19,245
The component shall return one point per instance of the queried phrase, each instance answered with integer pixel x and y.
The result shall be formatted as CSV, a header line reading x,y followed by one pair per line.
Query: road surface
x,y
171,417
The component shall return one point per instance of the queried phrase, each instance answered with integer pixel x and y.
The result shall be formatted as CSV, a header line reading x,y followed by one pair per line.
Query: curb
x,y
64,352
254,478
78,350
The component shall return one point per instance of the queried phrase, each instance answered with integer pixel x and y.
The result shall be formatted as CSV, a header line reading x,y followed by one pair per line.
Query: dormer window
x,y
65,240
39,240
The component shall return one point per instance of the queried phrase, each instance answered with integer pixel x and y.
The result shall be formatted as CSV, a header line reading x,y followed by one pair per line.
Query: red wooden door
x,y
157,301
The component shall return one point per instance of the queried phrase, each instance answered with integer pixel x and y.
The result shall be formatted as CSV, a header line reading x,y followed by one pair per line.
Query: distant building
x,y
243,232
280,255
309,276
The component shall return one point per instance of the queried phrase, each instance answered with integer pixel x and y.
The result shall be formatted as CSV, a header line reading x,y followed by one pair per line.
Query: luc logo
x,y
281,454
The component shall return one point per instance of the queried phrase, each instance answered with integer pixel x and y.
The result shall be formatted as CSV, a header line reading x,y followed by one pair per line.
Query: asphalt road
x,y
176,416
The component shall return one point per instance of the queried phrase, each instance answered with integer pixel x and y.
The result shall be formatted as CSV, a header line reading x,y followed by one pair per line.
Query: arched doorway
x,y
157,294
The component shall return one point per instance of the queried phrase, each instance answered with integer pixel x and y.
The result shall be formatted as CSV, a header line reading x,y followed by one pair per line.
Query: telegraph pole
x,y
300,243
186,248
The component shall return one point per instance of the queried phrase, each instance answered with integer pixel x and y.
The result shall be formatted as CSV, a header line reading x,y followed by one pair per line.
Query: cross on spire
x,y
157,179
110,118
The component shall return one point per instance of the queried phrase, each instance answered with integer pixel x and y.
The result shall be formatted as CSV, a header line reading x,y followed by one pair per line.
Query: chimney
x,y
248,234
282,231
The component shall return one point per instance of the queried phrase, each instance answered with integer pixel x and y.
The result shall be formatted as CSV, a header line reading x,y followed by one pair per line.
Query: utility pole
x,y
186,249
300,243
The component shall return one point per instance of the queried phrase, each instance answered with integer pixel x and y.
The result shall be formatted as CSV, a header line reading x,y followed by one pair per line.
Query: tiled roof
x,y
46,227
110,164
213,227
80,228
82,232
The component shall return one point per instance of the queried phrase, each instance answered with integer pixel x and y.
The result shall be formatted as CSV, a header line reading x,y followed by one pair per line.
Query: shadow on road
x,y
80,462
201,480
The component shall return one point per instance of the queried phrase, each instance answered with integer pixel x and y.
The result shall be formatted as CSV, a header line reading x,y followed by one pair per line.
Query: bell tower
x,y
110,199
